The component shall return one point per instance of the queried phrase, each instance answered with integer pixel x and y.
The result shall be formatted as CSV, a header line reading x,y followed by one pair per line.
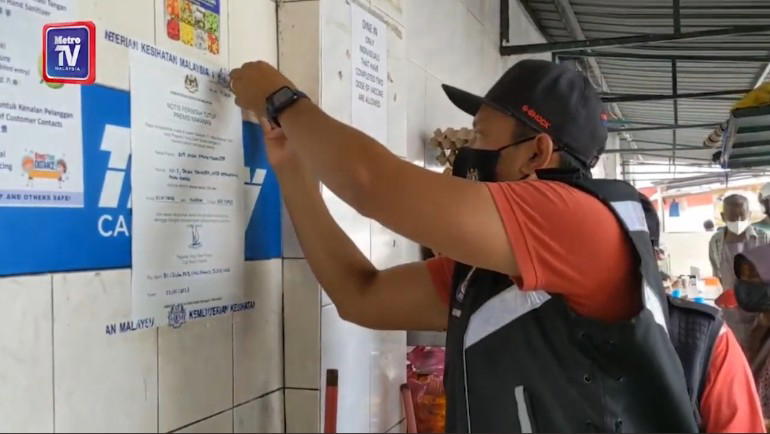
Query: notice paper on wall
x,y
188,218
41,154
370,74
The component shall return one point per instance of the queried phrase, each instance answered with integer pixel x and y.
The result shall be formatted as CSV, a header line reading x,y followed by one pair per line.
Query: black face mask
x,y
480,164
753,296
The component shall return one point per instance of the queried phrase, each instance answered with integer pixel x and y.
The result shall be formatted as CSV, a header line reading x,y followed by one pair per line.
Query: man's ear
x,y
542,152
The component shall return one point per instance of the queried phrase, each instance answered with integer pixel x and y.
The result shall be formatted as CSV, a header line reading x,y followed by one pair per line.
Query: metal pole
x,y
638,150
665,127
693,57
652,142
662,210
650,154
512,50
505,33
674,84
643,97
675,92
677,18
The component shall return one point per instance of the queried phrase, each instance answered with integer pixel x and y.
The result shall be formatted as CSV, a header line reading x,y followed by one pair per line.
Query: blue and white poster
x,y
97,234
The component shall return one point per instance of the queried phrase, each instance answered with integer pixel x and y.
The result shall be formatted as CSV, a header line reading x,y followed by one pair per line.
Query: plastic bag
x,y
425,377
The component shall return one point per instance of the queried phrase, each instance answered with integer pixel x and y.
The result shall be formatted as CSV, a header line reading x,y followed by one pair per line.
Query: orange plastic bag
x,y
425,377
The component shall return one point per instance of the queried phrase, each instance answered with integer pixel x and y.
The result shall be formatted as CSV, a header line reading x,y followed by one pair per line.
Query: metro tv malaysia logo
x,y
69,52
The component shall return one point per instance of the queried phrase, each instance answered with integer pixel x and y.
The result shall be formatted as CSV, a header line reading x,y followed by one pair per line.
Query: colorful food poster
x,y
197,24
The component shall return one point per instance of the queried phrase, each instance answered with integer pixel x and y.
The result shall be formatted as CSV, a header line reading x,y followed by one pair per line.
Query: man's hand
x,y
278,152
253,82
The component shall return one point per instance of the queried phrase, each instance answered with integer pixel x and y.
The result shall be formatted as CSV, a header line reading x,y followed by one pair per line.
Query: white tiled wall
x,y
258,334
182,356
302,414
263,415
370,363
221,423
455,41
101,382
26,355
302,325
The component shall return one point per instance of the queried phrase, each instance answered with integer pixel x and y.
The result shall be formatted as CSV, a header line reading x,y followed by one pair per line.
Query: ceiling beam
x,y
661,97
513,50
668,156
664,127
652,142
648,56
638,150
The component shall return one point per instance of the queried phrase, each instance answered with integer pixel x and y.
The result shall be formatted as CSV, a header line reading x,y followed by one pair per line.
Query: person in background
x,y
737,237
752,290
667,282
708,225
764,200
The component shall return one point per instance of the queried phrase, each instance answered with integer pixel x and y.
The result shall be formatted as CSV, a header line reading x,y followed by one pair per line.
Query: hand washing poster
x,y
41,156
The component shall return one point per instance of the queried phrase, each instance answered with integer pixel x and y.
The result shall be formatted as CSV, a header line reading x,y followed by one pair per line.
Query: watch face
x,y
283,97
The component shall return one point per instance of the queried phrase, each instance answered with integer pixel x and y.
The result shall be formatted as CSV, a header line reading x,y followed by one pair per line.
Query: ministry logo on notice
x,y
177,316
191,83
69,52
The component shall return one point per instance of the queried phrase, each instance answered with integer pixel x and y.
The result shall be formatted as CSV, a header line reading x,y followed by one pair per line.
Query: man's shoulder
x,y
762,234
718,235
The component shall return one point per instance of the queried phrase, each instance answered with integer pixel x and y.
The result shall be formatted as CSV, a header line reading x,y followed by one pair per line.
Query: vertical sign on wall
x,y
370,74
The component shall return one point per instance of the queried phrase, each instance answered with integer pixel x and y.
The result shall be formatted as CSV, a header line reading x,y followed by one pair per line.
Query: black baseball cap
x,y
548,97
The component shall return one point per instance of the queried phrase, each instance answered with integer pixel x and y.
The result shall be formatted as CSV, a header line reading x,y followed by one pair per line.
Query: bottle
x,y
692,286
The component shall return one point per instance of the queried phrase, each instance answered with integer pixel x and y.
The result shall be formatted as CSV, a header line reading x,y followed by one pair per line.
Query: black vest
x,y
525,362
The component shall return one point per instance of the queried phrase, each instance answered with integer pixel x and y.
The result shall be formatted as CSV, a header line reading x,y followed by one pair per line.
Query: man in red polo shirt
x,y
555,317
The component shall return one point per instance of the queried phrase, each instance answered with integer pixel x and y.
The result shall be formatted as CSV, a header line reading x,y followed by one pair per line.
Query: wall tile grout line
x,y
283,240
250,400
157,378
225,410
232,361
232,315
53,362
307,389
396,424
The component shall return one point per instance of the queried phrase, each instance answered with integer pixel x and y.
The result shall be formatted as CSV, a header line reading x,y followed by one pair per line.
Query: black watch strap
x,y
280,100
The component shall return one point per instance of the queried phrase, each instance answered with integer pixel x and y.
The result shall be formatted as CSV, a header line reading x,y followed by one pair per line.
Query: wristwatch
x,y
280,100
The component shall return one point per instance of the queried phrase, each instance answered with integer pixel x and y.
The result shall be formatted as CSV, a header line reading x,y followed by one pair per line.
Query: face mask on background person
x,y
480,164
738,227
753,296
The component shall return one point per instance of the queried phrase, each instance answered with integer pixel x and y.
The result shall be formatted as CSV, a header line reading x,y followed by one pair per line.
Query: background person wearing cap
x,y
764,200
738,235
542,281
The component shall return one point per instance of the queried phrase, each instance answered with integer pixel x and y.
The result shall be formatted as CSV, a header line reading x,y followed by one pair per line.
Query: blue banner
x,y
98,235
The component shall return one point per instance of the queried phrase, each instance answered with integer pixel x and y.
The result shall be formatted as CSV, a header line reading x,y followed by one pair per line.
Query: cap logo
x,y
537,117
